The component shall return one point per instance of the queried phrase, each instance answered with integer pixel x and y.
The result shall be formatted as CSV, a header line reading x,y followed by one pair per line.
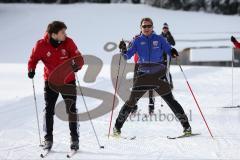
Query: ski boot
x,y
151,108
47,145
74,145
116,132
187,131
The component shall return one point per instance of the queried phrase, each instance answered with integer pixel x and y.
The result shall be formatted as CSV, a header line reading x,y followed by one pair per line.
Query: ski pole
x,y
89,116
185,77
36,109
115,88
232,74
120,82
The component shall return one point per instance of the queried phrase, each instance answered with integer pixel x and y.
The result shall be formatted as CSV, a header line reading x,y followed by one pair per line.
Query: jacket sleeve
x,y
166,46
35,57
132,49
75,53
237,44
170,39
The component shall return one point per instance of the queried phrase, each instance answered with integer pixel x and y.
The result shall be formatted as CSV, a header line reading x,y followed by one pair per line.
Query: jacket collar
x,y
47,39
150,36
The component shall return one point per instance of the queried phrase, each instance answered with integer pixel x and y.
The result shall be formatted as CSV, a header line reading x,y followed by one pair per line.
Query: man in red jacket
x,y
235,42
55,50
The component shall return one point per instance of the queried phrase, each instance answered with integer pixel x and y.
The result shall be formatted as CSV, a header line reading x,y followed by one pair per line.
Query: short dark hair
x,y
55,27
146,19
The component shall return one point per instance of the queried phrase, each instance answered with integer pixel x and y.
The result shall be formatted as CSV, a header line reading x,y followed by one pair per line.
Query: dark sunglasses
x,y
147,26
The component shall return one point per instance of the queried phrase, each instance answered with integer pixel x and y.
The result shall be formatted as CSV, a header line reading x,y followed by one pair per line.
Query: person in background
x,y
167,59
236,44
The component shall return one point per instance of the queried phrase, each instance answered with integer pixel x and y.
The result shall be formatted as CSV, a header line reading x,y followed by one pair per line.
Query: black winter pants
x,y
146,82
51,97
151,94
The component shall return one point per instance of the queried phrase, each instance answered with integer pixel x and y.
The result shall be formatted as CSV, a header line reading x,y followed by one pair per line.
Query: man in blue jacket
x,y
151,72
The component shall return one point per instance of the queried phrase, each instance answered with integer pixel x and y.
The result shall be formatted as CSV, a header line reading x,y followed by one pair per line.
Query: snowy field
x,y
92,26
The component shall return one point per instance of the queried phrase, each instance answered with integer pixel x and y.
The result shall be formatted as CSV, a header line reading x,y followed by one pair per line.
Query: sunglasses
x,y
147,26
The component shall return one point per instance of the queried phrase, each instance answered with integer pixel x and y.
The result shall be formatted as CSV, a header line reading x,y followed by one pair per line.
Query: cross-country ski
x,y
184,136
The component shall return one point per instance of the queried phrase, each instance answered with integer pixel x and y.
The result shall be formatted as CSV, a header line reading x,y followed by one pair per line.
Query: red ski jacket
x,y
52,57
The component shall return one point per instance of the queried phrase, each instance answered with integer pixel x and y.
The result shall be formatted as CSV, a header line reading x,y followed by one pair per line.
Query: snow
x,y
92,26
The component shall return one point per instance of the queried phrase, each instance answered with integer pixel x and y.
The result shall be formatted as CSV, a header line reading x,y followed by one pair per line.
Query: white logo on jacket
x,y
155,43
49,54
64,52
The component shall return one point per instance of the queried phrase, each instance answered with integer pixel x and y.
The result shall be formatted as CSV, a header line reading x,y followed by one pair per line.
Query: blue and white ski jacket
x,y
150,51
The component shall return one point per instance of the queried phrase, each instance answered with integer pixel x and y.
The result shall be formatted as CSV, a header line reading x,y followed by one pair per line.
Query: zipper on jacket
x,y
149,52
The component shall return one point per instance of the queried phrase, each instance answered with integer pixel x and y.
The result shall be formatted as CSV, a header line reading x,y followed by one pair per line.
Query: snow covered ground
x,y
92,26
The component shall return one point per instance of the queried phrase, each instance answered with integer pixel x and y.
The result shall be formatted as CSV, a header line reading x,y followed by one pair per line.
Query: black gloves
x,y
122,46
174,53
31,73
233,39
74,66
